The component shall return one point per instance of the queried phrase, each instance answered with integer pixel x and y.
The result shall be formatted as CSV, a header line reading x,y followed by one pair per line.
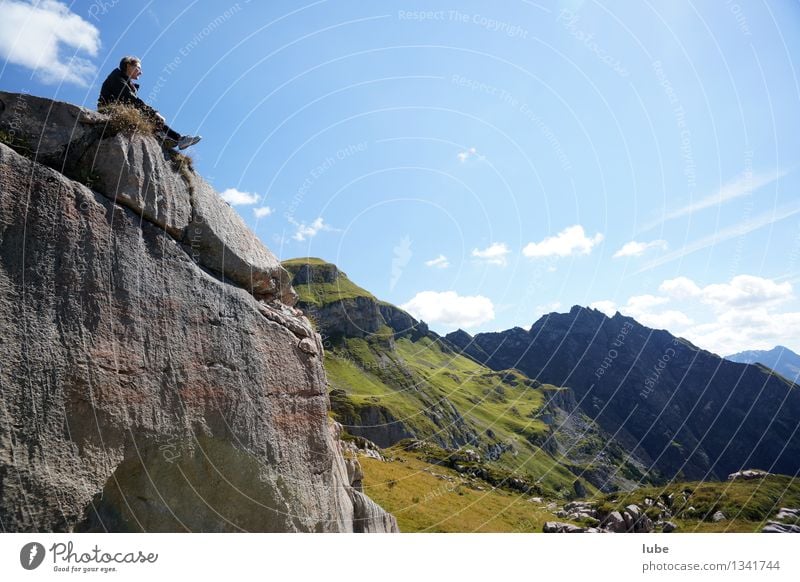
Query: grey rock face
x,y
136,172
221,238
44,129
141,391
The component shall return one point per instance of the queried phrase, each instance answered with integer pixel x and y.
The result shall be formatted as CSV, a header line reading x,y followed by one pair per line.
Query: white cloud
x,y
32,35
637,249
262,211
306,231
680,288
606,306
439,262
743,291
747,291
548,307
741,186
643,309
450,309
646,309
737,330
494,254
236,197
468,153
741,314
570,241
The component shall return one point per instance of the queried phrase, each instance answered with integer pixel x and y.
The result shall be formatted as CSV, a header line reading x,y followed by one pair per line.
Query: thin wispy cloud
x,y
307,231
740,229
745,184
637,249
440,262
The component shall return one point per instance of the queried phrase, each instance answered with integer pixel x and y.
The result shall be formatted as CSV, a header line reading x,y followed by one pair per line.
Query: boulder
x,y
718,516
778,527
222,241
669,527
614,522
142,392
561,527
747,475
43,129
136,172
158,185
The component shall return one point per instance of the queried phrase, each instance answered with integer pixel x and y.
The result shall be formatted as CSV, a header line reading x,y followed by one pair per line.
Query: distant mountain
x,y
391,379
685,411
783,360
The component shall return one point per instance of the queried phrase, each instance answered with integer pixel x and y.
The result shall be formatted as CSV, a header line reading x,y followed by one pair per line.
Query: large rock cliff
x,y
156,376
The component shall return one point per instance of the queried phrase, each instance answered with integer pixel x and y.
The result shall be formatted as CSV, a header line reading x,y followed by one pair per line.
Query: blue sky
x,y
482,164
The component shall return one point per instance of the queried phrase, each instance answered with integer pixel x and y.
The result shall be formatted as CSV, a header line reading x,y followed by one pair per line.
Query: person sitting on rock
x,y
119,87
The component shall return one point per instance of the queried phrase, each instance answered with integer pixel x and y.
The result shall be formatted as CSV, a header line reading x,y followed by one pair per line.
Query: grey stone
x,y
219,236
669,527
136,172
614,522
748,475
778,527
42,128
560,527
718,516
144,393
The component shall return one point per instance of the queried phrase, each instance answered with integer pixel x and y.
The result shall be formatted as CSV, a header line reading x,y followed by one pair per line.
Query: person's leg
x,y
170,133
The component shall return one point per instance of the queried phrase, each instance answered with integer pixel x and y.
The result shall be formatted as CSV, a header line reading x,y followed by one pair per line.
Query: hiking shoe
x,y
188,140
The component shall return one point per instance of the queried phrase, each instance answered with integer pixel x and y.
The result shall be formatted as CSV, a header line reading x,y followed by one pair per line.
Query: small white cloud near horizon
x,y
494,254
546,308
450,309
306,231
570,241
439,262
742,291
606,306
262,211
236,197
32,35
637,249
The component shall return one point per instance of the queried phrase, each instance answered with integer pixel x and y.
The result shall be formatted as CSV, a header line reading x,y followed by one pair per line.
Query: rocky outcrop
x,y
787,520
150,384
748,475
156,184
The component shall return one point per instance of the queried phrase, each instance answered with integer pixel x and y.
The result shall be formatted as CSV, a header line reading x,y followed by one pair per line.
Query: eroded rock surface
x,y
143,388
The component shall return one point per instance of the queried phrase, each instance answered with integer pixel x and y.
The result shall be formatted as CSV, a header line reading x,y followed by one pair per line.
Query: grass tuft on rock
x,y
127,120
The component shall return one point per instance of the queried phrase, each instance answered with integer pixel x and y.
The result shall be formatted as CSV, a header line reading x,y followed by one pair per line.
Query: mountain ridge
x,y
604,359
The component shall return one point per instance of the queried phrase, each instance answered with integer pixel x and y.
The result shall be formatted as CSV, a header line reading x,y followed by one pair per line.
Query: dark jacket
x,y
119,88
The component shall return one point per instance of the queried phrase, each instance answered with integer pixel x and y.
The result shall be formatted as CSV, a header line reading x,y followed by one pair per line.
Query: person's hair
x,y
123,64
